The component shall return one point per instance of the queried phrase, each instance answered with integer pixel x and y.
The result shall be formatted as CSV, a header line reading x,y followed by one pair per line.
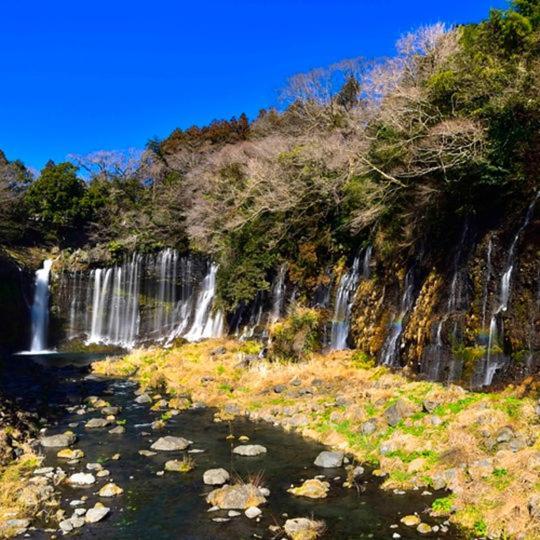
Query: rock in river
x,y
96,514
329,460
68,453
97,423
215,477
249,450
81,479
170,444
110,490
237,497
58,441
303,528
313,489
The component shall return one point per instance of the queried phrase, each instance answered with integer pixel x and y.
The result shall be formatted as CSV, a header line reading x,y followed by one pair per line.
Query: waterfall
x,y
345,293
205,323
486,281
40,309
389,351
115,304
490,366
278,294
146,298
435,362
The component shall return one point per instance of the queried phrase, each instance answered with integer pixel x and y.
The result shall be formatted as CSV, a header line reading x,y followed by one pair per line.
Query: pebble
x,y
233,513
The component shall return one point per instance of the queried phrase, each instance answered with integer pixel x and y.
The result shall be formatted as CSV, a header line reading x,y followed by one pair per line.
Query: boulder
x,y
215,477
249,450
94,423
61,440
110,490
369,426
143,399
401,409
237,497
410,521
68,453
110,410
93,515
303,528
170,444
312,489
329,460
253,512
81,479
178,465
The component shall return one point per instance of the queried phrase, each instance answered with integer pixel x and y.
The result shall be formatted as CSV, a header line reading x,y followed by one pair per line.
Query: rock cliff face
x,y
465,313
15,298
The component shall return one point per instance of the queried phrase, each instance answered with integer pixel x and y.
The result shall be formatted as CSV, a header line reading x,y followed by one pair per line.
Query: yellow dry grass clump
x,y
483,447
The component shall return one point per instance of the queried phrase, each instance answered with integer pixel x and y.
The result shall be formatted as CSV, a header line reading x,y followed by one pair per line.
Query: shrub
x,y
295,337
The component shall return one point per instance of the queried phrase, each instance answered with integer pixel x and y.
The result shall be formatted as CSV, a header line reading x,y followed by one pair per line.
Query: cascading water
x,y
146,298
490,365
206,323
40,309
278,294
489,271
434,364
345,293
389,352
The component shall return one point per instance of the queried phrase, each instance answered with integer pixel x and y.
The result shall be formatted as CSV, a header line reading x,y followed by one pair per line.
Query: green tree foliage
x,y
56,202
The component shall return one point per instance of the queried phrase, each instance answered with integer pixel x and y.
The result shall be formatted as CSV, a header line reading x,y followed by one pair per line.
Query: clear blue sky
x,y
86,75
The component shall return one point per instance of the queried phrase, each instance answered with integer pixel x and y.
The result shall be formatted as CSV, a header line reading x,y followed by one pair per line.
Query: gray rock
x,y
143,399
232,408
216,477
401,409
302,528
249,450
170,444
236,497
81,479
66,526
94,423
76,521
58,441
329,460
118,430
430,405
253,512
110,410
369,426
279,388
93,515
534,506
218,351
505,434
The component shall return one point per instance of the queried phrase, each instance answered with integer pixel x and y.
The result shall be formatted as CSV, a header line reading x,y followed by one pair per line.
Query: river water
x,y
173,506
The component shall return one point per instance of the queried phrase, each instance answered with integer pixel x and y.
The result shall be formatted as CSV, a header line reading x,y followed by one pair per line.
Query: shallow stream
x,y
173,505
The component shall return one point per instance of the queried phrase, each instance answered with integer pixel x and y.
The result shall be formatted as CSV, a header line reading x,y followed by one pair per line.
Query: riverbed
x,y
164,505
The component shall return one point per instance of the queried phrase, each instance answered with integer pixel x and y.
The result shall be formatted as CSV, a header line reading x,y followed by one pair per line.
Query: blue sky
x,y
85,75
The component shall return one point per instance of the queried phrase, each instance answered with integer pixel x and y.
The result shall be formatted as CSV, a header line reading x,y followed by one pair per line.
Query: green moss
x,y
443,505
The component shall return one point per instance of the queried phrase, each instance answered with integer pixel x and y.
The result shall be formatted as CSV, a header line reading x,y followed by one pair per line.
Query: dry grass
x,y
344,394
13,483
